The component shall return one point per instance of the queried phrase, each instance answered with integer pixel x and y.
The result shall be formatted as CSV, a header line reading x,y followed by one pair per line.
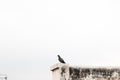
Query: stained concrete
x,y
66,72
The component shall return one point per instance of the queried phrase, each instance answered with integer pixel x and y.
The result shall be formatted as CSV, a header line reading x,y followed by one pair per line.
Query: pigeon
x,y
60,59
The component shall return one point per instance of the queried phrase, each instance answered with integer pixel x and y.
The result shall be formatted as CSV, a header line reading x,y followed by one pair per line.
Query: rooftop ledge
x,y
62,71
57,66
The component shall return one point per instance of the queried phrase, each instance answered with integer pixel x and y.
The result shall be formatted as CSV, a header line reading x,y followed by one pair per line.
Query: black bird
x,y
60,59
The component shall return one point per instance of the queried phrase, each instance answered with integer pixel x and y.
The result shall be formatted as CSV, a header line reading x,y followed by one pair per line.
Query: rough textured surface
x,y
65,72
60,71
94,74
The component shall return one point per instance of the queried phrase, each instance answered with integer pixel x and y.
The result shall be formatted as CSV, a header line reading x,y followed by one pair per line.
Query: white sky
x,y
33,32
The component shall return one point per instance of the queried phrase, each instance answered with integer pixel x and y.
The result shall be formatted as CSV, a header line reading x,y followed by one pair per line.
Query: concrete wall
x,y
65,72
60,71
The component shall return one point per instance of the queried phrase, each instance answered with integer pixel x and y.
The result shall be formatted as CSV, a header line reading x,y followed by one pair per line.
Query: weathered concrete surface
x,y
66,72
60,71
94,73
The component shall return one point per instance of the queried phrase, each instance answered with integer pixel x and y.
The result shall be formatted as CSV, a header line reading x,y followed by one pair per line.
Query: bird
x,y
60,59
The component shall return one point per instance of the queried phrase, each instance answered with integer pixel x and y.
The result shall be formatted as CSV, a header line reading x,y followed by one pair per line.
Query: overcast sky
x,y
33,32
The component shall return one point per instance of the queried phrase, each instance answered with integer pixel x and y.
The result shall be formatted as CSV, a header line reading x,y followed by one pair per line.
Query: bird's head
x,y
58,55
